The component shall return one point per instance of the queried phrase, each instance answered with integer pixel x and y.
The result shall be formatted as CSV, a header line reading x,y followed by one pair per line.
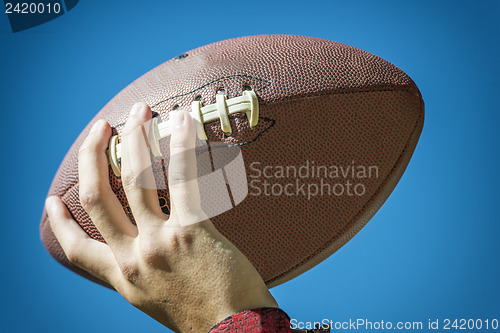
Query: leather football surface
x,y
336,129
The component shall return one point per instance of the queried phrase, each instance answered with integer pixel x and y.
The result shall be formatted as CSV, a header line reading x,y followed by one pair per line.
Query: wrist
x,y
268,319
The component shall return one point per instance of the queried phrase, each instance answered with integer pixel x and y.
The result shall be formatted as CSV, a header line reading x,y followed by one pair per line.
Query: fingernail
x,y
177,118
49,203
137,108
96,126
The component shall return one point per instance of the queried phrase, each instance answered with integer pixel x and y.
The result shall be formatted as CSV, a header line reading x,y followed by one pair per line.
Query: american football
x,y
323,132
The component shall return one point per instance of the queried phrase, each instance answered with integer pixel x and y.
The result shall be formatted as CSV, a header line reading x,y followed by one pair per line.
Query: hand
x,y
178,269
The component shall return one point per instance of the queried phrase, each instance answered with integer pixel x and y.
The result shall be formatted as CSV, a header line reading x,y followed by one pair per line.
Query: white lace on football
x,y
246,103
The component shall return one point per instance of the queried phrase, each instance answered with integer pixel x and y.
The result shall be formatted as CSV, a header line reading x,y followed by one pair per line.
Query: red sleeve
x,y
263,320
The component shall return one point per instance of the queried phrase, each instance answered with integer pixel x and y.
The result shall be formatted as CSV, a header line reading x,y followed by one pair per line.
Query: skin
x,y
178,269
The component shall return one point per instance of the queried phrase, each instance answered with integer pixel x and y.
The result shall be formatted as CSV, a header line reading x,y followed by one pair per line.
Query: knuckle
x,y
127,290
72,252
129,180
179,144
128,129
179,239
133,298
132,128
89,197
128,295
183,141
176,177
151,253
129,269
73,258
87,148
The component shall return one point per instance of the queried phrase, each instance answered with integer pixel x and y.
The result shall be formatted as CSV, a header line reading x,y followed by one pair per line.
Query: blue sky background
x,y
432,251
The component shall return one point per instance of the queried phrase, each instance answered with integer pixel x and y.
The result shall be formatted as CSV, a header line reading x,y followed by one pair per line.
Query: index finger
x,y
96,195
182,171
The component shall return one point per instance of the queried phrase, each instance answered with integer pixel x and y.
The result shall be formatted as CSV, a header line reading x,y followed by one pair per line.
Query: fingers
x,y
96,195
83,251
137,174
182,172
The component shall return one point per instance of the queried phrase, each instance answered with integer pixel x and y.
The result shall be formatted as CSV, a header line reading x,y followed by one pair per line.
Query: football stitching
x,y
266,84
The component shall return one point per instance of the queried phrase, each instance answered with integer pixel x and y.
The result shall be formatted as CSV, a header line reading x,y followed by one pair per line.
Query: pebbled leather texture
x,y
321,102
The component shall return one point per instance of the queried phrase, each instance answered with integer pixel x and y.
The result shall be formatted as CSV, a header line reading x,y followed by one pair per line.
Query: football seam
x,y
354,219
402,88
222,78
382,88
